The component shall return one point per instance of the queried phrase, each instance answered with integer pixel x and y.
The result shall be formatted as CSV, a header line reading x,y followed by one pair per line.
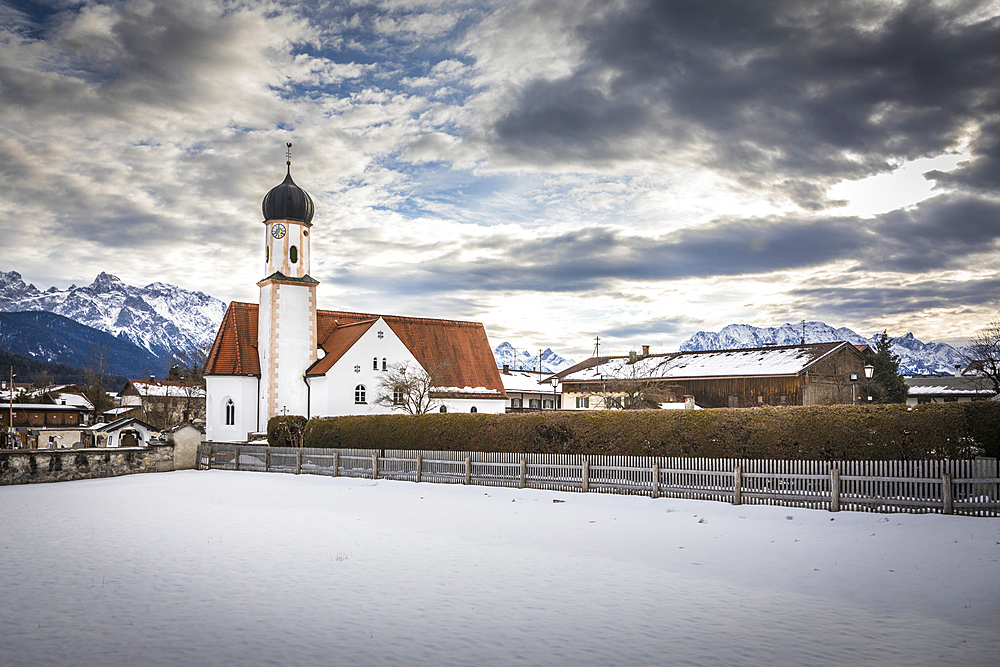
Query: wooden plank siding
x,y
973,486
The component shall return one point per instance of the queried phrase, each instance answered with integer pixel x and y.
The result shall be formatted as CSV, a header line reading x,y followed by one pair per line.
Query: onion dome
x,y
288,202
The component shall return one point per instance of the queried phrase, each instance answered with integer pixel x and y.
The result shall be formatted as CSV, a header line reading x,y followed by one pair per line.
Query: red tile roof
x,y
459,350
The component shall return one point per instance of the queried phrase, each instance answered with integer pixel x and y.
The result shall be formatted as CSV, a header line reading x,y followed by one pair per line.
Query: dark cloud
x,y
659,325
833,89
841,303
941,233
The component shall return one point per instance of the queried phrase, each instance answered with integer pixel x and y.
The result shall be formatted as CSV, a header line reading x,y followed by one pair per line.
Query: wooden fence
x,y
970,487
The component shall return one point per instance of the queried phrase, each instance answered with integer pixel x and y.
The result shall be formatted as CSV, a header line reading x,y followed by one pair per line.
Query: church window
x,y
385,364
375,364
473,410
230,413
359,394
267,254
444,409
293,254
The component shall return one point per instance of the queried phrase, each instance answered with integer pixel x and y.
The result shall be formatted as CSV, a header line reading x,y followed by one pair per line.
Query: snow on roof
x,y
789,360
168,388
465,390
525,381
947,385
70,398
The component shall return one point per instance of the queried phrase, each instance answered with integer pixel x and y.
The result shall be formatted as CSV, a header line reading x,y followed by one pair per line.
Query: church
x,y
283,356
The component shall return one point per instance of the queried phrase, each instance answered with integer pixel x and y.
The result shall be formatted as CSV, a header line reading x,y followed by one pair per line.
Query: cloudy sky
x,y
556,169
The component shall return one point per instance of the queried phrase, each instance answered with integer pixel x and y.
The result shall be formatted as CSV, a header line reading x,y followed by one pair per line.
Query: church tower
x,y
286,326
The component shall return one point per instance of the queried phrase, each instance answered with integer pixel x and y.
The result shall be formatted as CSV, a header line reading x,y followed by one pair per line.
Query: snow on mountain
x,y
916,357
505,353
164,319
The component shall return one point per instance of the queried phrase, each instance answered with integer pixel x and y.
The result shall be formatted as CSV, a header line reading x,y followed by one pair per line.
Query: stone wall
x,y
29,466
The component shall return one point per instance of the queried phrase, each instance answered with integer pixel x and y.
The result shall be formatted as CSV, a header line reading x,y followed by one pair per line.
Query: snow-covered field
x,y
223,568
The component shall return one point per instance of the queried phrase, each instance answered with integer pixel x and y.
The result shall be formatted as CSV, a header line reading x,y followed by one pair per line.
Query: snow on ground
x,y
220,568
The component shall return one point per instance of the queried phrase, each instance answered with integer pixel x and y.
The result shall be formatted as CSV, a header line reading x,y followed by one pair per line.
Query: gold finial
x,y
288,155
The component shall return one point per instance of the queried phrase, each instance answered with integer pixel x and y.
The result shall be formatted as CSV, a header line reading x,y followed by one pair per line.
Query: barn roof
x,y
458,351
751,362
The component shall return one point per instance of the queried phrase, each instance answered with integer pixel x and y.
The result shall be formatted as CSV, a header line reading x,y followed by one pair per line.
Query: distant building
x,y
962,387
40,425
162,403
812,374
528,391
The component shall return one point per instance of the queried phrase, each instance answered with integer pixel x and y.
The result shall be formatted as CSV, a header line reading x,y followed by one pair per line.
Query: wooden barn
x,y
813,374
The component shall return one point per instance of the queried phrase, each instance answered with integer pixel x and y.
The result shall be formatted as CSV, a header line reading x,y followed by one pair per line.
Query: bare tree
x,y
633,384
408,388
983,355
190,366
96,376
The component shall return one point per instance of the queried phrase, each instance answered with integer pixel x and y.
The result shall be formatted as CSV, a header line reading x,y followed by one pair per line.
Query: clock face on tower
x,y
278,231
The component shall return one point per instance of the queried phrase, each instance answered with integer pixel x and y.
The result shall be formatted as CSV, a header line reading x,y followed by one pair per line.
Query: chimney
x,y
688,402
632,356
506,369
958,370
645,350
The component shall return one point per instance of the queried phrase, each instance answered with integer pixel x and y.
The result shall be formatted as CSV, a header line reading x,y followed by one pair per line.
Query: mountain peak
x,y
106,282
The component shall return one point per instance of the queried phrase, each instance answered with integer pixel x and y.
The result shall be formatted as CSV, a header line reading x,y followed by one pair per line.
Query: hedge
x,y
839,432
285,431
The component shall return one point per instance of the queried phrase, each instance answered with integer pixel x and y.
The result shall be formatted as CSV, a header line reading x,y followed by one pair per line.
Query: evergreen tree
x,y
887,384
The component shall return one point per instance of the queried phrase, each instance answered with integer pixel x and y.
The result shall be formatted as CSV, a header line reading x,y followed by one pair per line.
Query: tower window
x,y
267,254
359,394
385,365
375,364
230,413
293,254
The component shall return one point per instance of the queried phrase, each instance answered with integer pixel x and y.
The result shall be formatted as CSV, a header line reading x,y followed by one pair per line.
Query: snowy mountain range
x,y
505,353
916,357
163,319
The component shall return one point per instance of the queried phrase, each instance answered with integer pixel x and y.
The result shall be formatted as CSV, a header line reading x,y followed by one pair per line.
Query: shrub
x,y
286,431
839,432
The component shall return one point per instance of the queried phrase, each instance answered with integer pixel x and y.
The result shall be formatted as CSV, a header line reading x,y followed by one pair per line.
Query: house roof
x,y
169,388
749,362
120,424
337,342
459,352
526,382
947,385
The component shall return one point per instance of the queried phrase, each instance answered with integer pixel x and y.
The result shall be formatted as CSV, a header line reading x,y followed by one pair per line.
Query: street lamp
x,y
555,383
10,424
869,371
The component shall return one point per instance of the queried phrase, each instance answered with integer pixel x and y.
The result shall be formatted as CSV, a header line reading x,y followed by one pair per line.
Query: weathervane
x,y
288,155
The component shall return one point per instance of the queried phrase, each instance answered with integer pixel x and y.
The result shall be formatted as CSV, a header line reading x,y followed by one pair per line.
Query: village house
x,y
528,391
812,374
162,403
963,386
283,355
38,425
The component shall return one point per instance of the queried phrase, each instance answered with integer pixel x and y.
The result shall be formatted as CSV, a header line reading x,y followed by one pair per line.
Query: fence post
x,y
738,485
267,460
949,507
298,462
420,466
834,490
468,470
524,473
656,480
236,458
375,465
586,475
336,463
211,452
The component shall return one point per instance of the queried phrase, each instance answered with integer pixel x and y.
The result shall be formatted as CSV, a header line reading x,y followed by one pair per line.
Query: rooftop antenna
x,y
803,326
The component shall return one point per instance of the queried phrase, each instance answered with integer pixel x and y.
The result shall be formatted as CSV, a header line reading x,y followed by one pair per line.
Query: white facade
x,y
286,345
231,409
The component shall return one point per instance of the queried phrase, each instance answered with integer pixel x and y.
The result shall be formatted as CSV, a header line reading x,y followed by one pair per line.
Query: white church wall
x,y
485,405
342,379
242,391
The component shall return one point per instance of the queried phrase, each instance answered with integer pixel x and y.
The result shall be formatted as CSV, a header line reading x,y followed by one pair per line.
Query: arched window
x,y
385,364
473,410
230,413
293,254
375,364
359,394
267,254
444,409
